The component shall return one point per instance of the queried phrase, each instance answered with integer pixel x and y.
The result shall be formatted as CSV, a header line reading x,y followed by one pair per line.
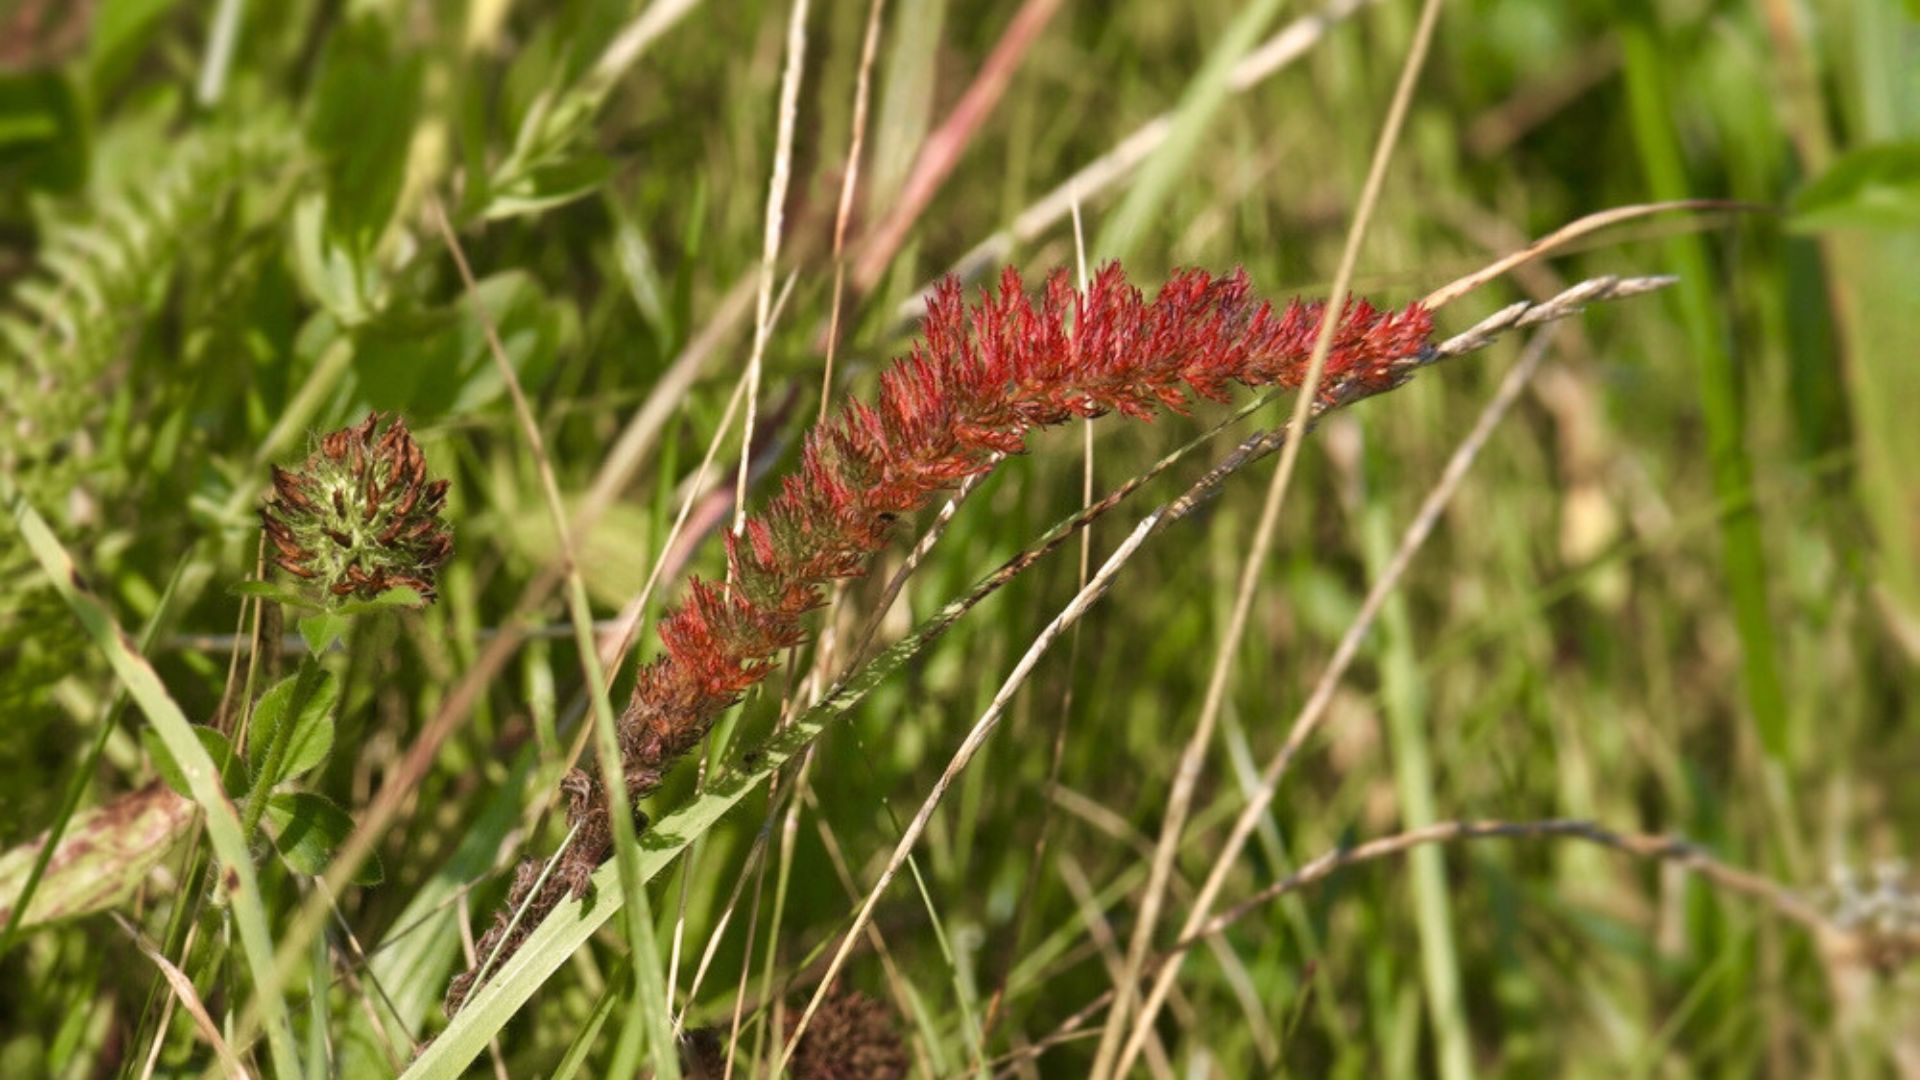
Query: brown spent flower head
x,y
359,516
852,1037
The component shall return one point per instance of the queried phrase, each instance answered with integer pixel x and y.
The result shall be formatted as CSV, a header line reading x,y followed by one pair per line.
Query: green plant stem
x,y
649,1007
1403,685
304,685
1742,554
1145,204
218,60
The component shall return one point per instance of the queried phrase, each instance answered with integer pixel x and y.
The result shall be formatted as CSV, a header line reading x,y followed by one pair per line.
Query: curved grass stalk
x,y
238,880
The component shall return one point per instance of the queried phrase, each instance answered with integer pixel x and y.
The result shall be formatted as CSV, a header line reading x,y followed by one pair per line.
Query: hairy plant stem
x,y
305,683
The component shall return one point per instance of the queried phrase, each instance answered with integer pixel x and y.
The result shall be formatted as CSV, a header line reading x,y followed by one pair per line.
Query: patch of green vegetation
x,y
1678,594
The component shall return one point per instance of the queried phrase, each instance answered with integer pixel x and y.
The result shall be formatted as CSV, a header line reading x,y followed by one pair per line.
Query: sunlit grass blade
x,y
1723,412
22,902
1404,687
570,926
239,882
1145,201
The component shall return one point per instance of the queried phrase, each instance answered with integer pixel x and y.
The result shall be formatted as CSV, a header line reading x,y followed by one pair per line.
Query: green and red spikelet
x,y
981,378
359,516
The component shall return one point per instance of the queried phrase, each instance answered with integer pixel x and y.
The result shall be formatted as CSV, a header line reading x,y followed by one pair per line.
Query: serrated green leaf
x,y
233,772
322,630
308,829
1875,186
310,736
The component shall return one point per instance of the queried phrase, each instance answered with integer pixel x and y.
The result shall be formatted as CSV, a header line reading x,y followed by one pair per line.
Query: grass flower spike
x,y
981,379
359,516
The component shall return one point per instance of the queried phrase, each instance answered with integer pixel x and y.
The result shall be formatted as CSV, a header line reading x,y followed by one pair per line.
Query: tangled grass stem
x,y
1725,876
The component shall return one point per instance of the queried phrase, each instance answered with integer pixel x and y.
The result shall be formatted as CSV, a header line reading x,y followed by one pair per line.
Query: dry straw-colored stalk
x,y
1770,894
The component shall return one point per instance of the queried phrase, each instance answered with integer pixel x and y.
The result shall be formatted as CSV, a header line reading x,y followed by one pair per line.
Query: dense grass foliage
x,y
1672,613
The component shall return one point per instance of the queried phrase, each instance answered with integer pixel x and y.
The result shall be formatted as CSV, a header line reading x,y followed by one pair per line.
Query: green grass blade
x,y
241,885
649,1008
1879,271
1146,200
1742,554
1404,687
574,922
411,963
906,96
76,787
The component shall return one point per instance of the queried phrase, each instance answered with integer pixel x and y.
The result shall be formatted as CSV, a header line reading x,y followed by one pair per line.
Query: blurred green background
x,y
1680,592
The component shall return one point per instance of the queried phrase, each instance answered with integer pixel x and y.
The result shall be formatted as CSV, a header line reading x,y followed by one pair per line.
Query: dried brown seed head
x,y
851,1037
